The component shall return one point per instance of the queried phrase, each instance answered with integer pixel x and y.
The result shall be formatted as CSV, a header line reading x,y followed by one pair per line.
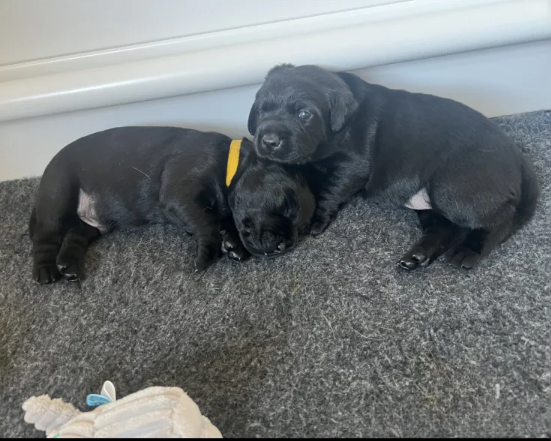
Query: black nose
x,y
271,141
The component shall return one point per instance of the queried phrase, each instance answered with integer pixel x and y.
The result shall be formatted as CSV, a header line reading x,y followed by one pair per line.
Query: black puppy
x,y
272,204
471,185
131,176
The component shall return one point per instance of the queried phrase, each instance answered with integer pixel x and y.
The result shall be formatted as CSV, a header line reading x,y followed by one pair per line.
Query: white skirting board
x,y
499,81
374,35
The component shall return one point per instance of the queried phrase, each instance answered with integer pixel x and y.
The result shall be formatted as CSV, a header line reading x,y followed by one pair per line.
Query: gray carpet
x,y
330,340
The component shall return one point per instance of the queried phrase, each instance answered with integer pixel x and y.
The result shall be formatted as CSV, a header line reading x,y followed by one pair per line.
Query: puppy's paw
x,y
416,257
238,254
202,264
46,273
463,257
232,247
319,226
304,230
205,258
70,268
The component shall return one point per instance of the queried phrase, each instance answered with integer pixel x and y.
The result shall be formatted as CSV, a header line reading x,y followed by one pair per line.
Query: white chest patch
x,y
419,201
86,210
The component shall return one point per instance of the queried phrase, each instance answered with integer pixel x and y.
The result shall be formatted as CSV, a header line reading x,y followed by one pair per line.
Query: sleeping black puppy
x,y
272,204
470,184
130,176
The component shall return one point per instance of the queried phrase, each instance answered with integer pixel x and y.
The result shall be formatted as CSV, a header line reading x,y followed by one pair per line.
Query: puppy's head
x,y
271,206
297,111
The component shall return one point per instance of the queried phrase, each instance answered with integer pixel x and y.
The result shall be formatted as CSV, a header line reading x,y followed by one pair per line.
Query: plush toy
x,y
155,412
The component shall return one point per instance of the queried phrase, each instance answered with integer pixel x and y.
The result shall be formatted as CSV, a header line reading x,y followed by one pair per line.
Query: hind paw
x,y
46,273
463,257
70,268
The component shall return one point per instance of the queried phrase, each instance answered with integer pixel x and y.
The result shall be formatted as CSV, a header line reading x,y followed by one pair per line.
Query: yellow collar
x,y
233,160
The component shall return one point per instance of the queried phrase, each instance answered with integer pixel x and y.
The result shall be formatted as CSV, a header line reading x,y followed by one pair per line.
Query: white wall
x,y
378,34
40,29
495,81
460,49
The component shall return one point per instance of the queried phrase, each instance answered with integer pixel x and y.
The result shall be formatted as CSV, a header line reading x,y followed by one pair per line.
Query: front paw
x,y
418,256
202,262
233,248
46,273
319,226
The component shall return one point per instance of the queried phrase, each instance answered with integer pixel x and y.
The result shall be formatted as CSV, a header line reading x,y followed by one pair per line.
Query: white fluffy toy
x,y
155,412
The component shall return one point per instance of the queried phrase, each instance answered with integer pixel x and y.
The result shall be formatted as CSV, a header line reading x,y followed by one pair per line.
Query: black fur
x,y
390,144
143,175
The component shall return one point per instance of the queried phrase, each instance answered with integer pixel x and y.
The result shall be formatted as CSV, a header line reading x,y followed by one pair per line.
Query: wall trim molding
x,y
497,81
366,37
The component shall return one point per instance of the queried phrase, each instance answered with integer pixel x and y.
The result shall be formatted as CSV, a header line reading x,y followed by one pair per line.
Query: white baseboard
x,y
497,81
366,37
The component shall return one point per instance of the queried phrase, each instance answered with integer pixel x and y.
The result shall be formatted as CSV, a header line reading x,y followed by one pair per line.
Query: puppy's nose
x,y
281,247
271,141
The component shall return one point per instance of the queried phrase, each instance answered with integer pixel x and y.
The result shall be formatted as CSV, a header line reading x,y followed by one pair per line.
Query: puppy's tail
x,y
529,194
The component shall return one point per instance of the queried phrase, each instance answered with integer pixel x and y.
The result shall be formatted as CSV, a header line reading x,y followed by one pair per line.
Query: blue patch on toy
x,y
94,400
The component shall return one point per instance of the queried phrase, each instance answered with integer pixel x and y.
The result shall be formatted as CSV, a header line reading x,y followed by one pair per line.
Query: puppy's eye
x,y
304,114
247,223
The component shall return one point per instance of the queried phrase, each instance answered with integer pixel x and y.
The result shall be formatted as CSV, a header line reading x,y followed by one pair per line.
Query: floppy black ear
x,y
253,116
343,106
291,200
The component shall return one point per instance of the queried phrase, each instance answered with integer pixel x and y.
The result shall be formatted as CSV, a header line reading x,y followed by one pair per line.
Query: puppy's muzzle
x,y
272,137
271,142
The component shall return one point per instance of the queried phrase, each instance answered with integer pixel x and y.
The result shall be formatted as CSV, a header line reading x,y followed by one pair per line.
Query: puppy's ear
x,y
291,200
343,106
253,116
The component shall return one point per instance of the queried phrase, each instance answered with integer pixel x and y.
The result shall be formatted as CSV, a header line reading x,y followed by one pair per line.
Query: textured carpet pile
x,y
333,339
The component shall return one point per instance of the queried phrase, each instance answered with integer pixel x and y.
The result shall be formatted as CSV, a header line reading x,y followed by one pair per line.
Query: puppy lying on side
x,y
130,176
470,184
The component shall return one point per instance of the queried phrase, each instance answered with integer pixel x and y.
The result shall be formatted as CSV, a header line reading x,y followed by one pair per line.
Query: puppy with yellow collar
x,y
129,176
